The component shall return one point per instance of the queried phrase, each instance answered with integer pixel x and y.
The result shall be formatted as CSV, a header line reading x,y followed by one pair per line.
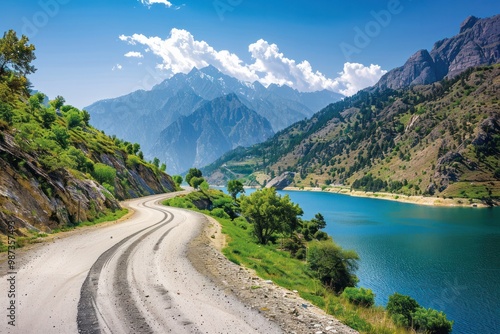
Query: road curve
x,y
131,277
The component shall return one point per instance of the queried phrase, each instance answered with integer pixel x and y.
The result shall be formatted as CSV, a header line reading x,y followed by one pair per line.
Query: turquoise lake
x,y
445,258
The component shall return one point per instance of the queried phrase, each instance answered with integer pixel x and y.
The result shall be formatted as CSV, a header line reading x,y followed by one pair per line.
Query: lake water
x,y
445,258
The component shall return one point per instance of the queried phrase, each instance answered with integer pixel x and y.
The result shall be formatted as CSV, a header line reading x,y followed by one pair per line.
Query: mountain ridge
x,y
215,127
477,43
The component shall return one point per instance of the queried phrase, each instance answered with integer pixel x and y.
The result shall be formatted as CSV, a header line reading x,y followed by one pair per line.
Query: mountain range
x,y
423,129
142,116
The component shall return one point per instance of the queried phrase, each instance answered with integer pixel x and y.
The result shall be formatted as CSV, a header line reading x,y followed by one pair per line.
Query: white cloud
x,y
152,2
356,76
117,67
134,54
180,52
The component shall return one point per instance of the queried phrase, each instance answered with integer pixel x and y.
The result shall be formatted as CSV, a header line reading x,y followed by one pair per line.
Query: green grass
x,y
271,263
107,217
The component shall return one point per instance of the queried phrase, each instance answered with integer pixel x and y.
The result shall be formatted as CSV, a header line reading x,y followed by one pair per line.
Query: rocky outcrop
x,y
282,181
478,43
34,199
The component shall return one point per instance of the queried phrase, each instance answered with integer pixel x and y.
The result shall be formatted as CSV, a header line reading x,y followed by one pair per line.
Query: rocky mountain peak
x,y
468,23
478,43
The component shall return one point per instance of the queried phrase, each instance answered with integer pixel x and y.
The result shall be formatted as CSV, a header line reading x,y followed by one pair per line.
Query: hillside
x,y
57,170
215,128
441,139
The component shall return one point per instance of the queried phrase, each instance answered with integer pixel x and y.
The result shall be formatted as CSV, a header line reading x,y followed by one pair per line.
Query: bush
x,y
301,254
133,161
431,321
333,265
104,174
359,296
109,188
219,212
401,309
74,119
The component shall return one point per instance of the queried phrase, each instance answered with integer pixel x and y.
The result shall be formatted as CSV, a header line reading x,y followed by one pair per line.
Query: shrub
x,y
109,188
301,254
133,161
431,321
359,296
219,212
74,118
333,265
104,173
401,309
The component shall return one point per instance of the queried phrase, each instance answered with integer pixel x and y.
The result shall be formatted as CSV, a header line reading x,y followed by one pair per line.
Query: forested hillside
x,y
441,139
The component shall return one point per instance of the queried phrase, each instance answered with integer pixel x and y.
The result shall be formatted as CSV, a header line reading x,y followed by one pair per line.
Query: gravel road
x,y
160,271
131,277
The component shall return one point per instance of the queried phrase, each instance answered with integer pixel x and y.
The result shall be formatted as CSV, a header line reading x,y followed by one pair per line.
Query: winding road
x,y
130,277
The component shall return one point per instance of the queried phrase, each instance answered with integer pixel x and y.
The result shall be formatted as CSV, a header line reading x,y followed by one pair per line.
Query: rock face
x,y
478,43
33,198
282,181
215,128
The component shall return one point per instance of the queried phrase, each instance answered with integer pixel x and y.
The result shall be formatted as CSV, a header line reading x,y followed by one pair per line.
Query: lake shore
x,y
419,200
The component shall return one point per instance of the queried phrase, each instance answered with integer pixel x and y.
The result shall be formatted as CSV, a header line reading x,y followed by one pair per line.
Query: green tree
x,y
319,221
269,213
431,321
333,265
163,167
58,102
235,187
196,182
204,186
156,162
74,119
48,116
135,148
86,117
16,55
36,101
61,135
6,112
177,179
193,172
401,308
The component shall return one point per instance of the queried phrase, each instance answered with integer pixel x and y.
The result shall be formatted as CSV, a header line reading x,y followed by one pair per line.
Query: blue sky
x,y
91,50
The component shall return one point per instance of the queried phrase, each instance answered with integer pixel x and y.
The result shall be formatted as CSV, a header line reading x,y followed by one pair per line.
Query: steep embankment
x,y
441,139
56,170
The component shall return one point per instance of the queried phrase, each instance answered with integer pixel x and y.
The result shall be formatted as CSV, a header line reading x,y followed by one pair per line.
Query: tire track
x,y
88,312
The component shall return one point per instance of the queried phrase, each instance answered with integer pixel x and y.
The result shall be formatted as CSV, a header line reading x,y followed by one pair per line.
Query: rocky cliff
x,y
478,43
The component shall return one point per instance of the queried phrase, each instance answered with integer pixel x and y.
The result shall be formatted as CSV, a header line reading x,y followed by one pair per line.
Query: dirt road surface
x,y
131,277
